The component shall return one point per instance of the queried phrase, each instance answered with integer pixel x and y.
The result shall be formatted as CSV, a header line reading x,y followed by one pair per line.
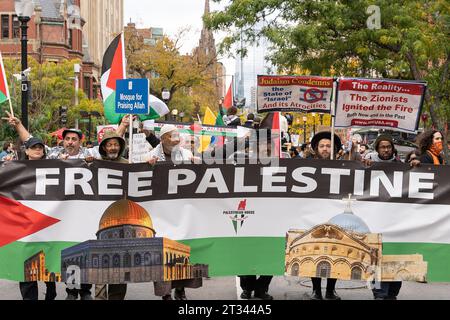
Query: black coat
x,y
428,159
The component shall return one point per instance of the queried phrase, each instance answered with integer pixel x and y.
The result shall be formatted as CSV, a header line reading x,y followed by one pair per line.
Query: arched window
x,y
137,259
356,273
323,270
95,261
105,261
127,260
157,258
147,259
116,261
294,269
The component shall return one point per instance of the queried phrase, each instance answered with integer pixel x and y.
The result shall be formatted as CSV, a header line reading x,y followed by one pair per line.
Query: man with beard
x,y
71,149
169,149
384,151
321,145
111,148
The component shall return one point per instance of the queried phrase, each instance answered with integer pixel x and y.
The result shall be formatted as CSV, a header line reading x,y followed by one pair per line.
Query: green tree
x,y
186,77
52,86
333,38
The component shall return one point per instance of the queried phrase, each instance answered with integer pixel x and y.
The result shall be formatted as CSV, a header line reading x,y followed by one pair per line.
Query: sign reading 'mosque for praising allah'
x,y
234,219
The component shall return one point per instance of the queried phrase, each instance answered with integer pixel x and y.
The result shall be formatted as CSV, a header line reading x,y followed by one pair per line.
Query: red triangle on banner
x,y
18,221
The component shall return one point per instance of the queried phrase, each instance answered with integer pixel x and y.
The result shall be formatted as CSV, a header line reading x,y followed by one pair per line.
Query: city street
x,y
282,288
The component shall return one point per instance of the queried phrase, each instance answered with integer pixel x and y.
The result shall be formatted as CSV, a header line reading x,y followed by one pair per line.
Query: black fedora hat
x,y
326,135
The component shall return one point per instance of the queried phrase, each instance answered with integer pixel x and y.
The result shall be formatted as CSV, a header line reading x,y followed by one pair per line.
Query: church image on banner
x,y
127,251
344,248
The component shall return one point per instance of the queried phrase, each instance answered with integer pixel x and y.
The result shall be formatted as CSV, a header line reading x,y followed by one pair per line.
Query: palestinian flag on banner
x,y
113,69
4,91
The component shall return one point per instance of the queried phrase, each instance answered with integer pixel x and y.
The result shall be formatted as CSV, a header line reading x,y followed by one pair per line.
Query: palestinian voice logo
x,y
239,216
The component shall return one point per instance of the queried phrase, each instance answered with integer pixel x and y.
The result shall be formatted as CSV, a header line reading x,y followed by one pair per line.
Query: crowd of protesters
x,y
170,146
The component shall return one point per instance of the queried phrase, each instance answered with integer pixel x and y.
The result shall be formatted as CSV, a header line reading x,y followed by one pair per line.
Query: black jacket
x,y
427,158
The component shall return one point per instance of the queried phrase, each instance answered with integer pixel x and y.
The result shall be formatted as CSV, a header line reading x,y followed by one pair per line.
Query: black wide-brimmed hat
x,y
326,135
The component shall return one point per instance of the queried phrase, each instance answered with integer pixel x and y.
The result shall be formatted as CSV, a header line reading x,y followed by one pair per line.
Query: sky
x,y
173,15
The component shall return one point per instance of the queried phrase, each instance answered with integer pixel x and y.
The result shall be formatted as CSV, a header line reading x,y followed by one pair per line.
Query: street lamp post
x,y
174,114
24,10
76,70
88,115
165,94
181,115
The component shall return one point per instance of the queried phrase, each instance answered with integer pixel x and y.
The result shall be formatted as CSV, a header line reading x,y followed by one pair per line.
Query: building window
x,y
16,27
127,276
127,260
137,259
356,273
147,259
5,26
294,270
105,261
116,261
70,40
323,270
95,261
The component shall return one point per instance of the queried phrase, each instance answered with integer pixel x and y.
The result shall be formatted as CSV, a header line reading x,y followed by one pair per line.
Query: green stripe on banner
x,y
437,255
266,256
239,256
3,97
225,256
13,256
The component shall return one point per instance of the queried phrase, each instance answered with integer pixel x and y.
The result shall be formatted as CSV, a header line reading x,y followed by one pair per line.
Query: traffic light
x,y
63,115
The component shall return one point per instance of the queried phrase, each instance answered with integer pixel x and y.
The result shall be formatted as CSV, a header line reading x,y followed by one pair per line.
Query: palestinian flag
x,y
4,91
113,69
228,101
272,122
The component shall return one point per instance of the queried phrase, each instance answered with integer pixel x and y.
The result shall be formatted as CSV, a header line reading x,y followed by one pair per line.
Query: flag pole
x,y
279,126
333,116
2,68
10,107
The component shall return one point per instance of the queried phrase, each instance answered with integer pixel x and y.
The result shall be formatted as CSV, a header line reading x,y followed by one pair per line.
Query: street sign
x,y
132,96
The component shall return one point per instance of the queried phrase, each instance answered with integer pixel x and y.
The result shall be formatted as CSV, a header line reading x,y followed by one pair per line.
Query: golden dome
x,y
125,212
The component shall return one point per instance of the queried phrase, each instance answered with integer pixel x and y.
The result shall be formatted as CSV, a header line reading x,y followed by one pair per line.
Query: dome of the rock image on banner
x,y
127,251
125,213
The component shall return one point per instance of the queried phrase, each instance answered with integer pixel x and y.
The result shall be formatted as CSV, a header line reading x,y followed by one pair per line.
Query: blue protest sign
x,y
132,96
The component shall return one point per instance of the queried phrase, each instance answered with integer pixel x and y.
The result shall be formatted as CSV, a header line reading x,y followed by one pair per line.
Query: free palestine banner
x,y
222,220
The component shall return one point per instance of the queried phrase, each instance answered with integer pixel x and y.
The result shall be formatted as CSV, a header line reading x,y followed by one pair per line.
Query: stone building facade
x,y
35,269
344,248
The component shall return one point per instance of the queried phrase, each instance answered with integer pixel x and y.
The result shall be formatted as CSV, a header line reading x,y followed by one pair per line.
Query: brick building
x,y
59,31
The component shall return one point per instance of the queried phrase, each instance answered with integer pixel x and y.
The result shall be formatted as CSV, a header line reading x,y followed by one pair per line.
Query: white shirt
x,y
179,155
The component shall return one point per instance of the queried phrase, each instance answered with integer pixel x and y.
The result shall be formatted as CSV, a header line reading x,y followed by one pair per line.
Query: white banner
x,y
294,93
379,103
